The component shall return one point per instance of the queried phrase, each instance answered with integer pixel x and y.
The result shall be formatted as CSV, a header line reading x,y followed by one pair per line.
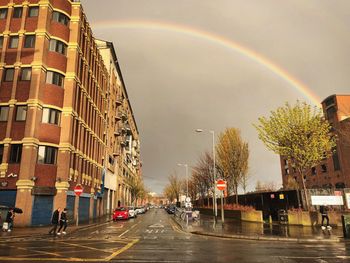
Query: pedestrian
x,y
55,220
63,222
324,213
9,219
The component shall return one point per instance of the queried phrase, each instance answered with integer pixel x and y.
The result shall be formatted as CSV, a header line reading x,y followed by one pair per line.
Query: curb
x,y
264,238
45,233
260,238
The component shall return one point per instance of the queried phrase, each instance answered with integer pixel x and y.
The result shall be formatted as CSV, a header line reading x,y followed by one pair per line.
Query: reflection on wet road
x,y
155,237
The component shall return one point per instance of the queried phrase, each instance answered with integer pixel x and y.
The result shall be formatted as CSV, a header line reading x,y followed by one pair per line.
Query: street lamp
x,y
186,166
214,172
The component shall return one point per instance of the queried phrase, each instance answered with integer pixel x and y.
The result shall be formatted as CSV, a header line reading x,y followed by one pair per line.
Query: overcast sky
x,y
179,82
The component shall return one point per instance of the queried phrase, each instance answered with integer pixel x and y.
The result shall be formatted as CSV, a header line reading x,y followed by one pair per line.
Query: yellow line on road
x,y
121,250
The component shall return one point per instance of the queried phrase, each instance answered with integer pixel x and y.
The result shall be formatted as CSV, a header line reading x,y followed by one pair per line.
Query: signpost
x,y
78,190
221,186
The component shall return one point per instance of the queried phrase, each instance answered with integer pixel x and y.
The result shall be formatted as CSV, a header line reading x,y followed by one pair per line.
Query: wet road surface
x,y
155,237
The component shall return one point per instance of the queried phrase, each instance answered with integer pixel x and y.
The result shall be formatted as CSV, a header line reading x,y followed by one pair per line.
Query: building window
x,y
4,112
313,171
336,162
47,155
1,152
21,113
3,13
1,41
29,41
33,11
51,116
58,46
17,12
286,171
26,73
9,73
13,42
15,153
60,18
324,168
54,78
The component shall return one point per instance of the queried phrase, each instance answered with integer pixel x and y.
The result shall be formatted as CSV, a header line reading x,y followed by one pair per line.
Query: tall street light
x,y
186,166
214,172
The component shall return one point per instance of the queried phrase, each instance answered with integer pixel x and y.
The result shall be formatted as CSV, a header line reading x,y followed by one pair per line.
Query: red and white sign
x,y
221,185
78,190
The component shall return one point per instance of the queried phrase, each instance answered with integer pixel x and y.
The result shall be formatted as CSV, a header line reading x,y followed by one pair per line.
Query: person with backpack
x,y
63,222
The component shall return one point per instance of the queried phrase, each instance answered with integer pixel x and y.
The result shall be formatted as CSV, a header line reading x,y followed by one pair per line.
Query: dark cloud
x,y
178,83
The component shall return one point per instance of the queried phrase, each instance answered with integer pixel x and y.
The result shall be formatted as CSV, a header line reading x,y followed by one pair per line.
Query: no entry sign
x,y
78,190
221,184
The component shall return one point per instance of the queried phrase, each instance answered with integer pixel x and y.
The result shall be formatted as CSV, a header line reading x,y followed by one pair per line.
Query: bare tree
x,y
174,188
136,187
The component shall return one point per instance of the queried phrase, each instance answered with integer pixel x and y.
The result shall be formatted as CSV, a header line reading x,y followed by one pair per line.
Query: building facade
x,y
56,102
333,172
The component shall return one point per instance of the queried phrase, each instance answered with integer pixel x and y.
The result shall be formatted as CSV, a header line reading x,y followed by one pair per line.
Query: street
x,y
155,237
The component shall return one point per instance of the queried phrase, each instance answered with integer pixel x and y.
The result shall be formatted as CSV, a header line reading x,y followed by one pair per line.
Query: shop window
x,y
21,113
1,41
47,155
15,153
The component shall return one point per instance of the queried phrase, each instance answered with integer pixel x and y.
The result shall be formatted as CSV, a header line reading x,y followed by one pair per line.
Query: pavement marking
x,y
82,246
122,234
60,257
128,246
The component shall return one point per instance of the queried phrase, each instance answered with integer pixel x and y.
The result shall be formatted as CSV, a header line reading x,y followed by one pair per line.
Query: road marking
x,y
149,231
122,234
157,225
121,250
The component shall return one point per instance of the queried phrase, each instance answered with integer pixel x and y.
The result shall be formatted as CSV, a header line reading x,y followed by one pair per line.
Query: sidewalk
x,y
23,232
258,231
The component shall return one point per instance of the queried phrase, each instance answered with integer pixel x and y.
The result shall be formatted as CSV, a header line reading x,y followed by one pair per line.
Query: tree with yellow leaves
x,y
299,133
233,155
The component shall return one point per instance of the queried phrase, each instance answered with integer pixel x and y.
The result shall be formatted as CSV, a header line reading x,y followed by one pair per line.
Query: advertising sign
x,y
327,200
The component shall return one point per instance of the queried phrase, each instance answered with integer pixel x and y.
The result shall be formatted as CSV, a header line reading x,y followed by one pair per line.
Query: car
x,y
132,212
140,210
171,209
121,213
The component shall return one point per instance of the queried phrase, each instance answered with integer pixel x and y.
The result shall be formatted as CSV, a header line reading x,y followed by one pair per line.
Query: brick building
x,y
54,104
333,172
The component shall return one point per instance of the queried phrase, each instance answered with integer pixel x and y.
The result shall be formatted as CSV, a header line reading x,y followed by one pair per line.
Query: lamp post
x,y
214,172
186,166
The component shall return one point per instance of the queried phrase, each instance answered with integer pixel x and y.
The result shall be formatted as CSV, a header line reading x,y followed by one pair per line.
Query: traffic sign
x,y
78,190
221,184
188,200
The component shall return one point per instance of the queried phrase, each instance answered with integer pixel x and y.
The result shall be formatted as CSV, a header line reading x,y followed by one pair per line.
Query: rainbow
x,y
216,39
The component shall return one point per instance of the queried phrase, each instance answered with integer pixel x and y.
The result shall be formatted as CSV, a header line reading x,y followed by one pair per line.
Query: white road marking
x,y
157,225
122,234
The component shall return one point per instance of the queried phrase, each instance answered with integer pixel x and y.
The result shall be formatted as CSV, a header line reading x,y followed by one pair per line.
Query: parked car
x,y
140,210
132,212
121,213
171,209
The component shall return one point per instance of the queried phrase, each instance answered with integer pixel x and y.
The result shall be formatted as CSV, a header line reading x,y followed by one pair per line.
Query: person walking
x,y
55,220
63,222
324,213
9,219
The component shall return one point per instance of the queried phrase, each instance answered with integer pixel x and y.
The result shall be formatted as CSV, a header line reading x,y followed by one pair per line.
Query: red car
x,y
121,213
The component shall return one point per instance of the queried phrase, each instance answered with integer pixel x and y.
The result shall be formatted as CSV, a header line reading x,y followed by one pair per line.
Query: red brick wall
x,y
27,55
46,174
31,24
57,61
59,30
64,5
17,131
15,25
49,133
5,91
52,94
22,91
